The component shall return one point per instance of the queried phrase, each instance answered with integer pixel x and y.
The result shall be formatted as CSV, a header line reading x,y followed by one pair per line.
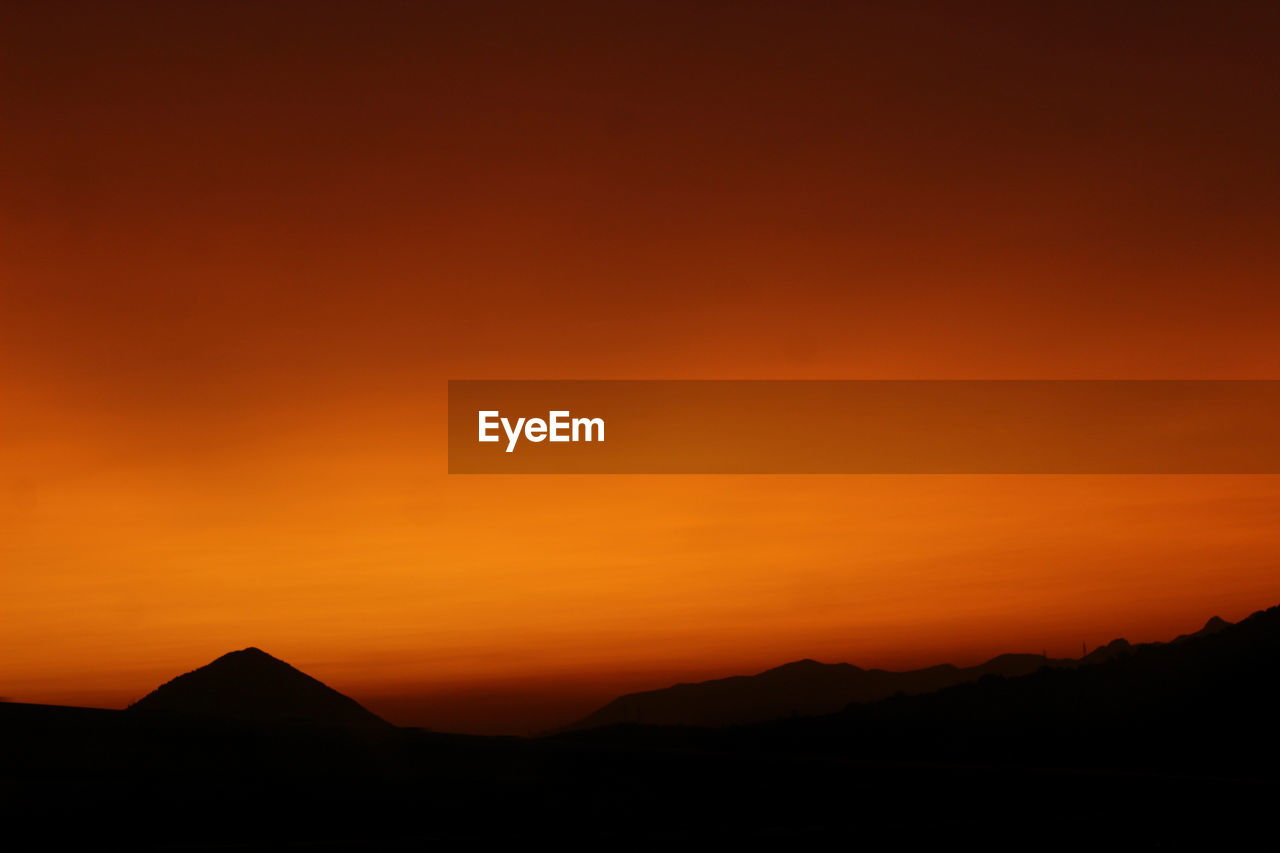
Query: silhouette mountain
x,y
1116,647
252,686
1213,626
1158,746
1202,704
809,688
802,688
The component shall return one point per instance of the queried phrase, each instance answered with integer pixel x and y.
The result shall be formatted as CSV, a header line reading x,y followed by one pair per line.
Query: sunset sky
x,y
244,246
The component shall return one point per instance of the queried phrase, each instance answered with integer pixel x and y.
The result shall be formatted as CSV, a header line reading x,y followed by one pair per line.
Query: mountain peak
x,y
1213,626
251,653
251,685
803,663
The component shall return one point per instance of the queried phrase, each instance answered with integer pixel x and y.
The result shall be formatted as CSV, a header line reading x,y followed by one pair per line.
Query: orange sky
x,y
242,250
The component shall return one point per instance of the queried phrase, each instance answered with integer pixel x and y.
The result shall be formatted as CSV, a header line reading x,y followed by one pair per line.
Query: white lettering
x,y
587,424
559,421
558,426
513,435
487,424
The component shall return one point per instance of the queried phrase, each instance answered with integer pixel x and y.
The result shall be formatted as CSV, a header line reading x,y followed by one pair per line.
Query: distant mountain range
x,y
809,688
252,686
1202,704
1155,746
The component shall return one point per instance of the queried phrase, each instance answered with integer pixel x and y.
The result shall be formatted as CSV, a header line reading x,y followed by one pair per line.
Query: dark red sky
x,y
243,245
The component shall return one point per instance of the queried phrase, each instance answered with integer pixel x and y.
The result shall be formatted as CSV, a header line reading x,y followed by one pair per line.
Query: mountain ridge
x,y
807,687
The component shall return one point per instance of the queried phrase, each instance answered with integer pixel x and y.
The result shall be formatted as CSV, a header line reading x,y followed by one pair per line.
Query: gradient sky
x,y
242,248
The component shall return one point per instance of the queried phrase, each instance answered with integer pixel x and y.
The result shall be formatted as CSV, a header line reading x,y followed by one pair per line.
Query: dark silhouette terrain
x,y
804,688
1149,747
251,685
1205,703
809,688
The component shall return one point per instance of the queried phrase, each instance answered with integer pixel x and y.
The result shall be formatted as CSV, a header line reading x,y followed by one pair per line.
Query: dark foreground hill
x,y
251,685
808,688
1204,704
1162,747
86,780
